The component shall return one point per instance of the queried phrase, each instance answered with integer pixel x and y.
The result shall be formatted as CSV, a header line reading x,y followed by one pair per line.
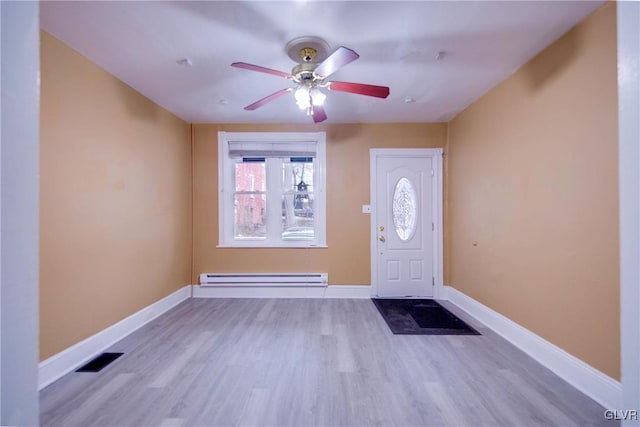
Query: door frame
x,y
435,154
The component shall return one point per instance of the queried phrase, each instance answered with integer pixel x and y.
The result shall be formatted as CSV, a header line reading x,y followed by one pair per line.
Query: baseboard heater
x,y
267,279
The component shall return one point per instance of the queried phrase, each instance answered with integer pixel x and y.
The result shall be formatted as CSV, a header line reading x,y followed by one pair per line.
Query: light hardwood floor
x,y
311,362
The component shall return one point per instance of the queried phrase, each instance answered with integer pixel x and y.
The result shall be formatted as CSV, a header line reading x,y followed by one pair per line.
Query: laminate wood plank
x,y
93,405
326,325
307,362
171,422
447,405
257,405
179,362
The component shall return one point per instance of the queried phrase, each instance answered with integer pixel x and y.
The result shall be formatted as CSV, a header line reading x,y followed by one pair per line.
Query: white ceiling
x,y
140,42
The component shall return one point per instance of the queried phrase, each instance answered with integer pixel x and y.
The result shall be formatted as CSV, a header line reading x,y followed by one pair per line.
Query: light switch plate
x,y
366,209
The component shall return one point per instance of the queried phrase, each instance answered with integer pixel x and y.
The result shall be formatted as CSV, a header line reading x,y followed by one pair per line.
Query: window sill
x,y
267,246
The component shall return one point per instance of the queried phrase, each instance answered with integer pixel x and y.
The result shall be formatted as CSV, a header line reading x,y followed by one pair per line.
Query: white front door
x,y
403,227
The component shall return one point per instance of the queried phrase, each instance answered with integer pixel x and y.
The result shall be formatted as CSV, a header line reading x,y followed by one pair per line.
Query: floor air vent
x,y
97,364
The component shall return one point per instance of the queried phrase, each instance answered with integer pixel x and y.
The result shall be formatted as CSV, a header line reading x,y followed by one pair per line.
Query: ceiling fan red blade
x,y
319,115
268,99
360,89
261,69
338,59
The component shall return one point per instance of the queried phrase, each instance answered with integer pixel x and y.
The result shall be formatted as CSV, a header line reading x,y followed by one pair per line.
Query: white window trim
x,y
226,189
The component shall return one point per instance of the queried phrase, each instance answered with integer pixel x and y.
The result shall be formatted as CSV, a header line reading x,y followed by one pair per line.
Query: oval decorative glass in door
x,y
405,209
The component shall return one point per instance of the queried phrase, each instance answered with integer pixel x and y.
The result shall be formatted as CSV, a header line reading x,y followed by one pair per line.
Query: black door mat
x,y
420,317
100,362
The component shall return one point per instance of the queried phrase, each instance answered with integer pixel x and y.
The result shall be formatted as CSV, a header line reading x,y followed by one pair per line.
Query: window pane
x,y
297,199
250,175
250,215
297,216
297,174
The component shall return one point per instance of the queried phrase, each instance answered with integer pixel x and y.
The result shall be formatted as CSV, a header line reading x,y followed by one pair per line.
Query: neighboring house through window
x,y
272,189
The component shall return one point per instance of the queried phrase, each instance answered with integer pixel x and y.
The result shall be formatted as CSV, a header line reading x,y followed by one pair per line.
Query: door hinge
x,y
432,172
433,227
433,281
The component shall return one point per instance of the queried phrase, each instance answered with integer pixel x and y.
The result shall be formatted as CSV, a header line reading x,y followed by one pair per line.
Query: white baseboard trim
x,y
595,384
56,366
333,291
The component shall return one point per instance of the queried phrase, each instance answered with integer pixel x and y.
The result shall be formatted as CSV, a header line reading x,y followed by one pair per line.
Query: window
x,y
271,189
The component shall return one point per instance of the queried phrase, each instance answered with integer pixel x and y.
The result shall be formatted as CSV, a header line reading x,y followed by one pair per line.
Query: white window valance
x,y
272,149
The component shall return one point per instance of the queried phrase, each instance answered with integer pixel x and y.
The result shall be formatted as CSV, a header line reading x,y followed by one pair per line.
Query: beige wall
x,y
533,180
347,258
115,203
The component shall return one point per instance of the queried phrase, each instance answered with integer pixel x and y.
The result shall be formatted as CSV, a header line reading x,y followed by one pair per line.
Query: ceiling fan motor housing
x,y
303,73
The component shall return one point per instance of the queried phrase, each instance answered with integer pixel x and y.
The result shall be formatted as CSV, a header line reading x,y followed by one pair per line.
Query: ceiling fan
x,y
314,67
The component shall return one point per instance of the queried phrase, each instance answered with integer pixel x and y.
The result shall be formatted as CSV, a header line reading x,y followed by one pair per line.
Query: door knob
x,y
381,238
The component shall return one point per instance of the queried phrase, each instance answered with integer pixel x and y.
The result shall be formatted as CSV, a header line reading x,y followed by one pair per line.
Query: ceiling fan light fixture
x,y
303,98
317,97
